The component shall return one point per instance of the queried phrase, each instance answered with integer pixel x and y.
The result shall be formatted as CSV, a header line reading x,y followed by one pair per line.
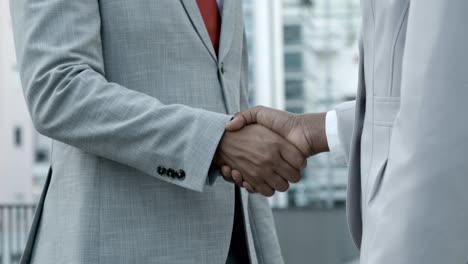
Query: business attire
x,y
405,138
136,95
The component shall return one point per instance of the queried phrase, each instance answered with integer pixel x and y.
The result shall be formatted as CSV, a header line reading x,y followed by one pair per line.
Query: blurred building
x,y
304,58
16,136
23,153
315,48
263,26
321,70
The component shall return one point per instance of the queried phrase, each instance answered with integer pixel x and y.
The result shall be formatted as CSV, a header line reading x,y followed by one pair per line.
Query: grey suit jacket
x,y
136,101
408,174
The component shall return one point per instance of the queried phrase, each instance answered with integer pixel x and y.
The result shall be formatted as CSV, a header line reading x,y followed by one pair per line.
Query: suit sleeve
x,y
61,65
430,138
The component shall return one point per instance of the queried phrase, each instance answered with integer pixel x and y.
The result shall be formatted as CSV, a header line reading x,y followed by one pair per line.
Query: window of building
x,y
41,156
295,109
293,62
292,35
294,89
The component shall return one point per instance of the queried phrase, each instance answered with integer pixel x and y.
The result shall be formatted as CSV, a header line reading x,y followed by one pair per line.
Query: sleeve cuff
x,y
213,175
203,144
334,144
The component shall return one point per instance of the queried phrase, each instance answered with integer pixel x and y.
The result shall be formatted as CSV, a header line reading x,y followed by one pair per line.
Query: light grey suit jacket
x,y
408,178
136,101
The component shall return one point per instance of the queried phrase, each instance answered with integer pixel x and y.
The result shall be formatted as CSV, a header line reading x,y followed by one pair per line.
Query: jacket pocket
x,y
384,112
377,182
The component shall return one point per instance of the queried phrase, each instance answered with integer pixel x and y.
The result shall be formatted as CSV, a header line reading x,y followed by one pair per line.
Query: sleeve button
x,y
161,170
171,173
181,175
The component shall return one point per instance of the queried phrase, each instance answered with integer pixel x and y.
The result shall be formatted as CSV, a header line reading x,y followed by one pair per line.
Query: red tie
x,y
210,13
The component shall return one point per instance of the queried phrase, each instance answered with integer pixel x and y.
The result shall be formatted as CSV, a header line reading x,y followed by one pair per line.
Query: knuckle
x,y
259,108
268,156
256,173
258,161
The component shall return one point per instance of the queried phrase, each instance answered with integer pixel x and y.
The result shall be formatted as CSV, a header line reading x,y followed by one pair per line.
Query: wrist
x,y
218,159
315,132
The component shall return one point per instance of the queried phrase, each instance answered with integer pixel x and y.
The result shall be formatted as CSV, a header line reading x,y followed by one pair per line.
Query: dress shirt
x,y
334,143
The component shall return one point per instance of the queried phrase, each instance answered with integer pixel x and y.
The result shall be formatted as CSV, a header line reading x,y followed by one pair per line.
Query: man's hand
x,y
306,132
266,160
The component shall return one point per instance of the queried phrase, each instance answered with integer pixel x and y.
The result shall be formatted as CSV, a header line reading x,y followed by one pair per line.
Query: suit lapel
x,y
193,12
228,25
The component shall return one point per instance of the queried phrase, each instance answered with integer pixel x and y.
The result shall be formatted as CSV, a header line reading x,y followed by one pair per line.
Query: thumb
x,y
237,122
243,119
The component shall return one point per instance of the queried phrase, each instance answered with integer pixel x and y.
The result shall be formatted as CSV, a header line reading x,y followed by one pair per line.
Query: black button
x,y
162,170
181,175
171,173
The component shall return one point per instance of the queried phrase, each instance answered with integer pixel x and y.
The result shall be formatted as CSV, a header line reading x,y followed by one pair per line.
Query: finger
x,y
226,173
237,176
243,119
277,183
287,172
282,185
248,187
292,155
236,123
265,190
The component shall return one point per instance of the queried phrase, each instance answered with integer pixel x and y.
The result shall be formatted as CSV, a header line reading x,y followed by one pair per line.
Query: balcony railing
x,y
15,221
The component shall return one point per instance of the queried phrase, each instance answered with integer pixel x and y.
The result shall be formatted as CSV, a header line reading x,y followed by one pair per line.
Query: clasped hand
x,y
264,150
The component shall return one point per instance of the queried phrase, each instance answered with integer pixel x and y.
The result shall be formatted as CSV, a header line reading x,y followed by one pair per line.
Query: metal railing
x,y
15,221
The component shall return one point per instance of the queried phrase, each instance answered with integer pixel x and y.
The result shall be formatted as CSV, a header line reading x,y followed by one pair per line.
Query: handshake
x,y
263,149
